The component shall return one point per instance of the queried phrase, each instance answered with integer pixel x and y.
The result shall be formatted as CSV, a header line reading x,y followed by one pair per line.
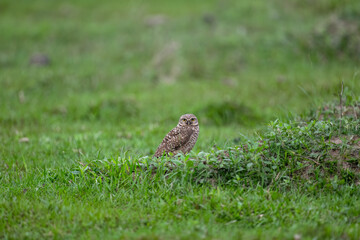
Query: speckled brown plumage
x,y
182,138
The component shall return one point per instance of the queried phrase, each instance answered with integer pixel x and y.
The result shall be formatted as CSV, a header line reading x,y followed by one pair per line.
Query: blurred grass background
x,y
116,76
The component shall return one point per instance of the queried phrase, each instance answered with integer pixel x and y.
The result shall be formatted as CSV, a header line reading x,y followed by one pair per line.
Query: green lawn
x,y
74,132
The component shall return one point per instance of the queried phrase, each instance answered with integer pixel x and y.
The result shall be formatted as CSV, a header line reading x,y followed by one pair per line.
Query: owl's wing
x,y
178,138
174,140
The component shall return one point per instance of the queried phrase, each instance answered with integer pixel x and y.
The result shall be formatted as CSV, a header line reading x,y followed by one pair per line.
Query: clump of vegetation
x,y
319,152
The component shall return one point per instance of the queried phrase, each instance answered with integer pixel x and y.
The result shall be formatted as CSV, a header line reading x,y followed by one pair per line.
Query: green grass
x,y
77,135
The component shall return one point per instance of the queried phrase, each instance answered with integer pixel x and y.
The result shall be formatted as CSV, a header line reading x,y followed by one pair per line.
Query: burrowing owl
x,y
182,138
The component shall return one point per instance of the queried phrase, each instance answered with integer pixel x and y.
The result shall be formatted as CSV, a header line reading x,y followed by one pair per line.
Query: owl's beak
x,y
188,122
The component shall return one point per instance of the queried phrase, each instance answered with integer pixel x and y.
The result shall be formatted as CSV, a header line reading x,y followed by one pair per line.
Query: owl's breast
x,y
195,132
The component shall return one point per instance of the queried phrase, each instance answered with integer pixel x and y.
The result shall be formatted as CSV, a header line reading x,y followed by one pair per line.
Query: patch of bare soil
x,y
345,152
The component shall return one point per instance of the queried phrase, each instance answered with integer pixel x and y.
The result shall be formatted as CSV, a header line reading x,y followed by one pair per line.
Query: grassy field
x,y
89,89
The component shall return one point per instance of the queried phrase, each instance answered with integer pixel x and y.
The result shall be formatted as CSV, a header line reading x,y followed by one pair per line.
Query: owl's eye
x,y
184,120
193,119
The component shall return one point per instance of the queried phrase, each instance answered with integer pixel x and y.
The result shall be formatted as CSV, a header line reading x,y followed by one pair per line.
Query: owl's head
x,y
189,120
